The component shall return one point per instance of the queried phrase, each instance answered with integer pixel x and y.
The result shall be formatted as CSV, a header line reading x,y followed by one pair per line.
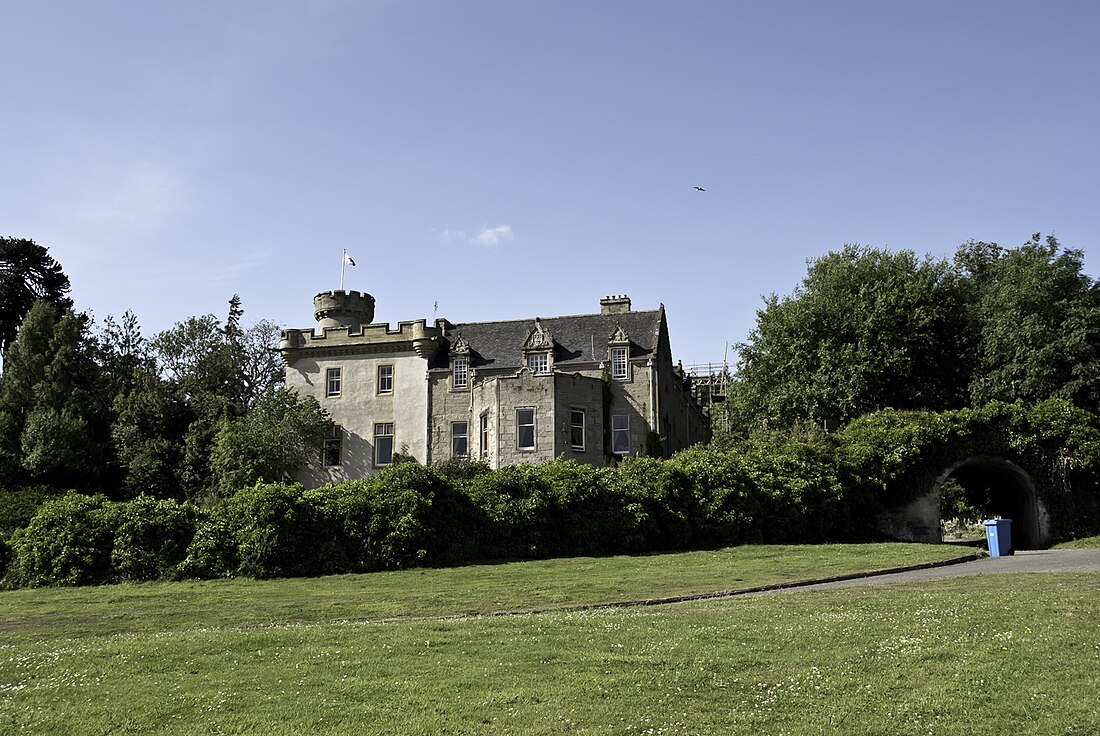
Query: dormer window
x,y
460,364
619,368
618,351
539,363
460,373
538,350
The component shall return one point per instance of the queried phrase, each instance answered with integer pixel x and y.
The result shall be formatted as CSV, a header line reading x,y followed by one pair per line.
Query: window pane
x,y
385,379
460,373
330,455
383,443
618,363
484,431
576,429
458,439
620,433
525,429
332,382
383,451
539,363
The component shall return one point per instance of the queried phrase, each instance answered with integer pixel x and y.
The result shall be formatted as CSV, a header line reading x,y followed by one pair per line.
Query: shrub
x,y
662,511
19,505
797,494
714,496
383,522
264,531
585,516
5,564
67,542
513,504
387,519
151,537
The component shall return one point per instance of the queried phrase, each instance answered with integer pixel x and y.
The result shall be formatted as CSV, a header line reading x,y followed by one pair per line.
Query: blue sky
x,y
512,159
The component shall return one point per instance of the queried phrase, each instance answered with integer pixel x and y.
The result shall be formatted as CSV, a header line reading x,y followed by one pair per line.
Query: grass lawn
x,y
985,655
1084,542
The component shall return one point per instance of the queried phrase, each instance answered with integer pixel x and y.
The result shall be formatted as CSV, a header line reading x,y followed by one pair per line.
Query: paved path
x,y
1047,560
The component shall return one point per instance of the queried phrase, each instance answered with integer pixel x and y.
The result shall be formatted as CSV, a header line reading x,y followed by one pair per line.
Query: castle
x,y
595,388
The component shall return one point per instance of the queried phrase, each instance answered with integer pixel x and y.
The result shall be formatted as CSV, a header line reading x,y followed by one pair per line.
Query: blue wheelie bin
x,y
998,533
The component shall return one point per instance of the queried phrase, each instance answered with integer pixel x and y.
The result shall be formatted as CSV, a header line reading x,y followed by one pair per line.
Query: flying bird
x,y
700,189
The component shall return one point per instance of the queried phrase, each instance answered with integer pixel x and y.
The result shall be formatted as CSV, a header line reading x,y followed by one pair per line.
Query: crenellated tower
x,y
351,309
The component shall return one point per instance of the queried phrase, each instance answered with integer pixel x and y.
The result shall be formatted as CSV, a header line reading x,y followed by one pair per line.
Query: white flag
x,y
347,259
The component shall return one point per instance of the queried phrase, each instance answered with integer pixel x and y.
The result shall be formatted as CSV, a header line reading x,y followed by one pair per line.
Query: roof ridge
x,y
562,316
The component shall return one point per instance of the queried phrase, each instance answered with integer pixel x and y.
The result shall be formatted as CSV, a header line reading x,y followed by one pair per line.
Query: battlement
x,y
416,334
349,309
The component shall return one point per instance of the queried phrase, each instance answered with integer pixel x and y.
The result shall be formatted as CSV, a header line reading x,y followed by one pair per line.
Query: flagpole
x,y
343,262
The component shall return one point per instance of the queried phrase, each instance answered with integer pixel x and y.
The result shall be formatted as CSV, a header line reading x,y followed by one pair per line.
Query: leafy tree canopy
x,y
866,329
1038,319
280,434
869,329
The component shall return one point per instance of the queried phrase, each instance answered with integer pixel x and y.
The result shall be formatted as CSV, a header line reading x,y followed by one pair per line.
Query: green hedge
x,y
76,539
811,488
387,521
888,458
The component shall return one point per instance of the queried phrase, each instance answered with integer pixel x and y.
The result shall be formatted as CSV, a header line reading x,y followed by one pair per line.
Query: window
x,y
385,379
576,429
525,429
618,364
383,443
330,450
620,434
460,373
539,363
332,382
483,430
459,444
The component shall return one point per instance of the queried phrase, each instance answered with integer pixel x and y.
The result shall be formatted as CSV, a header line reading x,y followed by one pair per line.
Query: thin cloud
x,y
234,270
448,236
492,236
103,189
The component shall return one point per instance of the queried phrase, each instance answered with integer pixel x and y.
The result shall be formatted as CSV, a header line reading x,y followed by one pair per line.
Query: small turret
x,y
350,309
425,341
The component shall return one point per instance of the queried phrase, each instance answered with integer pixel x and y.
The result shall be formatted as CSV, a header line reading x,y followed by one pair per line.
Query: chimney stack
x,y
615,304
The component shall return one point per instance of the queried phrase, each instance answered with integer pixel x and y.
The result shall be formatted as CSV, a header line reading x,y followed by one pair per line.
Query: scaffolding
x,y
709,384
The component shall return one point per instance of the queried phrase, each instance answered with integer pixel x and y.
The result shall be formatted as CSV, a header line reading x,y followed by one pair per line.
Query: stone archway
x,y
1010,493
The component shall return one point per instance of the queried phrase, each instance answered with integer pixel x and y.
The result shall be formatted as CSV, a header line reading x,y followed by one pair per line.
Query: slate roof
x,y
577,339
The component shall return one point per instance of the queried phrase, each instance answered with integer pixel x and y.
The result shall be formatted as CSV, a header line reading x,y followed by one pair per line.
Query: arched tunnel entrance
x,y
991,487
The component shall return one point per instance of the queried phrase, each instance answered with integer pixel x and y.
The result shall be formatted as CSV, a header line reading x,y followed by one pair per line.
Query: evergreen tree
x,y
27,274
53,422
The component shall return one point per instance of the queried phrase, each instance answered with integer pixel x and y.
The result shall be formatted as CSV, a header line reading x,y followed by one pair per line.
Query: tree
x,y
151,422
261,366
122,352
1037,323
866,329
212,374
27,274
53,420
280,434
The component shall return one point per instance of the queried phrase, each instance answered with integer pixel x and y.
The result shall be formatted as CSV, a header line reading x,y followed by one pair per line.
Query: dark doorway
x,y
995,487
